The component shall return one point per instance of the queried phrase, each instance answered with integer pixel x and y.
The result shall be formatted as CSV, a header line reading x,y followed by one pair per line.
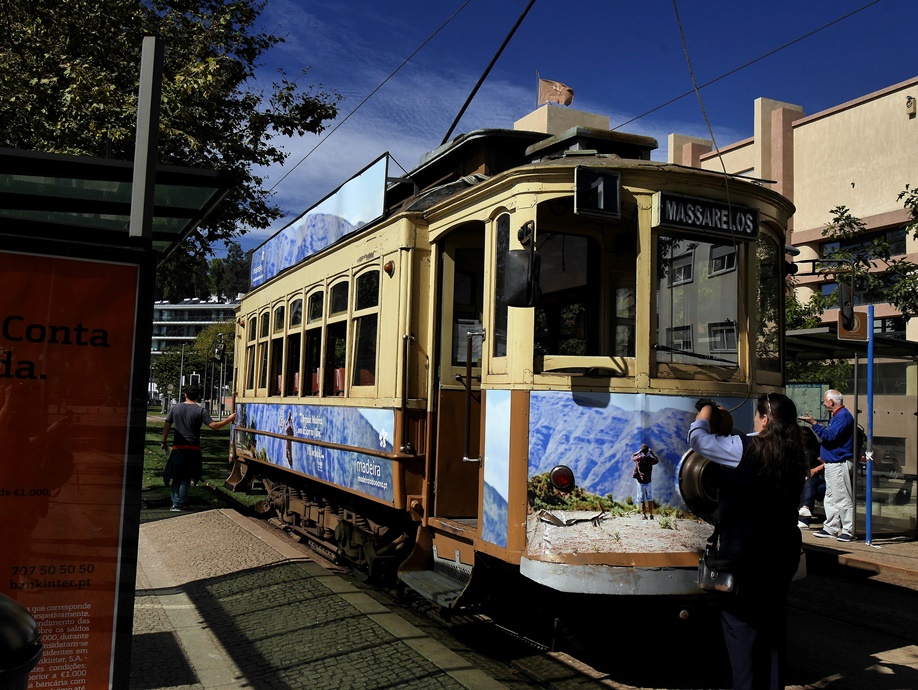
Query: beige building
x,y
859,154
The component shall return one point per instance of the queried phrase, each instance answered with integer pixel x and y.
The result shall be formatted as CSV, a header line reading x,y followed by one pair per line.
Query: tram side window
x,y
770,264
292,368
277,353
250,333
366,306
263,323
313,348
336,340
697,302
567,320
468,304
501,252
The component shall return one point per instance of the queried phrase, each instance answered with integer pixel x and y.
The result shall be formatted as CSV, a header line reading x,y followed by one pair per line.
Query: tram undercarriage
x,y
370,539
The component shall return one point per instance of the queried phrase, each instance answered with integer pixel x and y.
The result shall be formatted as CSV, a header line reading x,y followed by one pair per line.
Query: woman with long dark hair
x,y
758,533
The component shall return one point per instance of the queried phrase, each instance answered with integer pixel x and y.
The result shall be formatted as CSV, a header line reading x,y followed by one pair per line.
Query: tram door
x,y
461,291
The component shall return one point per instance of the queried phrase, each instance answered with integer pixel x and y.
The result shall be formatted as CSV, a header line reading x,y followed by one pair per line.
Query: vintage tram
x,y
445,375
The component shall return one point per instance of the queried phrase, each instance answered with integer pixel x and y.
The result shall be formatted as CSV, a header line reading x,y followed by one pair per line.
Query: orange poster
x,y
66,352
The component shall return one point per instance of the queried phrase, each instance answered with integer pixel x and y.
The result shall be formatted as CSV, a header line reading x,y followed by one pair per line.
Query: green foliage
x,y
69,72
877,273
210,492
543,495
187,274
167,367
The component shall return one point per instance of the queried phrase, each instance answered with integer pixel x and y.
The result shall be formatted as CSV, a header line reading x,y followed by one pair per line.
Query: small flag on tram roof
x,y
555,92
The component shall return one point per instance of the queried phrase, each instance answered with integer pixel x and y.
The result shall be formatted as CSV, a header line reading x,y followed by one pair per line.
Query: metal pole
x,y
222,373
869,453
178,394
147,138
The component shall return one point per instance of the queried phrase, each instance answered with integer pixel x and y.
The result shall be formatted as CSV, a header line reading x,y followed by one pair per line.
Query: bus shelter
x,y
894,510
76,309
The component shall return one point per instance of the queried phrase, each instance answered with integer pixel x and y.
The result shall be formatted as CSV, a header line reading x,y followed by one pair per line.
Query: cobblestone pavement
x,y
223,603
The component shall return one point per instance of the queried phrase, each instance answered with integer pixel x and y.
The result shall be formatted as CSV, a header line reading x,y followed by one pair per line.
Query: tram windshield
x,y
587,302
697,302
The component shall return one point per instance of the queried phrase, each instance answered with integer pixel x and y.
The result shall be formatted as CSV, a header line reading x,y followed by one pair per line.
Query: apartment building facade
x,y
860,154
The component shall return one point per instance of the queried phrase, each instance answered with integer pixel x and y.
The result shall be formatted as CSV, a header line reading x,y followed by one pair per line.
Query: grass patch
x,y
210,492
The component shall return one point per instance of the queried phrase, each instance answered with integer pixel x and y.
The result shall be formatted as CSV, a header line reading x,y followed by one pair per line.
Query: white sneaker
x,y
804,512
802,525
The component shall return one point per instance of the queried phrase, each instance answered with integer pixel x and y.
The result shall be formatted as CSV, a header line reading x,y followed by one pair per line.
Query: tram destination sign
x,y
705,215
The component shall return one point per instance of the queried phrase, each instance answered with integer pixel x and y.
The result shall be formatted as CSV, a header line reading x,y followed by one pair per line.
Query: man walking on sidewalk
x,y
837,453
184,464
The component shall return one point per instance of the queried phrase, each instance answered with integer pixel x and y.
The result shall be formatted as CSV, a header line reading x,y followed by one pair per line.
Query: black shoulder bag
x,y
713,572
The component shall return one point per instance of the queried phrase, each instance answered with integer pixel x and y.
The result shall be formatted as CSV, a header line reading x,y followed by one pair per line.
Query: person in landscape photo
x,y
184,463
758,534
644,460
837,440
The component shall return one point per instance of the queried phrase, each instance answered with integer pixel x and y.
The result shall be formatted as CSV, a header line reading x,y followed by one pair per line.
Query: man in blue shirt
x,y
837,440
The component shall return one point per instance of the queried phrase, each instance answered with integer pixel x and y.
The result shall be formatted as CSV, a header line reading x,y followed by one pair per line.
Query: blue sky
x,y
621,58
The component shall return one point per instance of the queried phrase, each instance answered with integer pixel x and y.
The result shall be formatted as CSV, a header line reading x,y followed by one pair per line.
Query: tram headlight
x,y
562,478
699,484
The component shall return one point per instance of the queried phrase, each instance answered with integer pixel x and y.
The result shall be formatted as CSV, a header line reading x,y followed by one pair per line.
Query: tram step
x,y
440,589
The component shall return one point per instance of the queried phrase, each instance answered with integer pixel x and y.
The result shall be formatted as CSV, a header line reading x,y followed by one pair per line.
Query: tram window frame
x,y
365,329
262,355
500,310
710,297
313,341
276,365
293,353
251,343
471,236
604,327
335,339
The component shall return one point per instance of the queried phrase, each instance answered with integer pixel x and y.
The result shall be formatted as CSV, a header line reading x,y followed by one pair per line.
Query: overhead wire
x,y
741,284
372,93
748,64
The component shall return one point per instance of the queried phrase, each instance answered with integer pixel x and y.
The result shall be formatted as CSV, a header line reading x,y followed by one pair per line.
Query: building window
x,y
861,243
723,259
680,338
723,336
681,269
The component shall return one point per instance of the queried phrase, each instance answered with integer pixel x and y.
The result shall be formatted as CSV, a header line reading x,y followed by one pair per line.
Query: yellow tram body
x,y
522,302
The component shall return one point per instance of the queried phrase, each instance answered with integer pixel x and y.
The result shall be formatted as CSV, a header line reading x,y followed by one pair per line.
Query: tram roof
x,y
88,200
817,344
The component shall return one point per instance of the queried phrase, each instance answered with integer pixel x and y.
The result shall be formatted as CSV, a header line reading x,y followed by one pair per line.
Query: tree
x,y
879,275
69,73
235,278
